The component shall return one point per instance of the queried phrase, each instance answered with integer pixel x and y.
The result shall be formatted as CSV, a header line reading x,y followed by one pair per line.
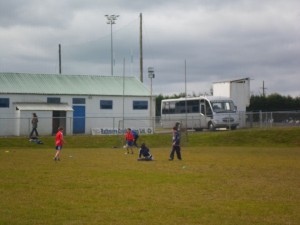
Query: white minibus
x,y
198,113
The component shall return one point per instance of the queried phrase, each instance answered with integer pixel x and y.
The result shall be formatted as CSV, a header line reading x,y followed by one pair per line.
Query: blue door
x,y
78,119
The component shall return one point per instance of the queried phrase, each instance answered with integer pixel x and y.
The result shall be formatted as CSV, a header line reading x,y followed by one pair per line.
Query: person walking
x,y
59,141
129,141
175,145
34,122
144,154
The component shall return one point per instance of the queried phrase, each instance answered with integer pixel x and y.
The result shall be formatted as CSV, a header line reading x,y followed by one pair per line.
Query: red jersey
x,y
129,136
59,138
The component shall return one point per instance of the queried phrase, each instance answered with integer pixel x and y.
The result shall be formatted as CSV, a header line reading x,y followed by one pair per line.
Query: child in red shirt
x,y
129,141
59,141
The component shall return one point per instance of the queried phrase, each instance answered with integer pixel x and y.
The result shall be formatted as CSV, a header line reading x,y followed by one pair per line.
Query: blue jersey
x,y
135,134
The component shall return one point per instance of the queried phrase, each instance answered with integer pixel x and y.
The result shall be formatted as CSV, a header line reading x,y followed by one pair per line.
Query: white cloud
x,y
219,39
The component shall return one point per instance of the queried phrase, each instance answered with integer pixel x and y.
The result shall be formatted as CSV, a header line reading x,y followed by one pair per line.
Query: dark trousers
x,y
175,148
34,130
134,142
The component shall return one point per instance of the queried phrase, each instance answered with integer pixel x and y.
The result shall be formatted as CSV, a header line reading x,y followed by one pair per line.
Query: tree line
x,y
272,102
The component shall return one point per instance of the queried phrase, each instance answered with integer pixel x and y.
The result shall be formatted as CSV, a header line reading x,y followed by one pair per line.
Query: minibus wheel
x,y
211,126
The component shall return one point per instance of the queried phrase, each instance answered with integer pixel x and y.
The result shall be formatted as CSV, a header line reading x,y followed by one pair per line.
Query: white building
x,y
238,91
82,104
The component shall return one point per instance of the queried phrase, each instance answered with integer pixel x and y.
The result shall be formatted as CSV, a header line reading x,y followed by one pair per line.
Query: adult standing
x,y
34,123
175,145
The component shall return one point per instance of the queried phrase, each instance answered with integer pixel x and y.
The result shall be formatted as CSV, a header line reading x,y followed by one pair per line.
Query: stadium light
x,y
151,75
111,19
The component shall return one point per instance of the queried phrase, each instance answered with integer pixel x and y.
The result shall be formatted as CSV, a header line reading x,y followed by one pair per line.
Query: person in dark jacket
x,y
175,145
144,154
34,122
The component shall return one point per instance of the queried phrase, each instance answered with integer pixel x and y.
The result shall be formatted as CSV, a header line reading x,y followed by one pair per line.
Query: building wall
x,y
221,89
18,123
240,94
23,128
238,91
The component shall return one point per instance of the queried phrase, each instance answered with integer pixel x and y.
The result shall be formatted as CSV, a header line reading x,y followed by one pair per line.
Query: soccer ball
x,y
125,146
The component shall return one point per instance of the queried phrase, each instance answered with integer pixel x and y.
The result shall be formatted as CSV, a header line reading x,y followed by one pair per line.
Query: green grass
x,y
274,137
221,180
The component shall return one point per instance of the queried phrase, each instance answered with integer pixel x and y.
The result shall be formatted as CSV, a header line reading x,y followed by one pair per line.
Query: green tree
x,y
273,102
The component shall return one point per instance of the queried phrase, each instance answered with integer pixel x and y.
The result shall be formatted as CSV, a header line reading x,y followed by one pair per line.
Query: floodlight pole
x,y
151,75
111,20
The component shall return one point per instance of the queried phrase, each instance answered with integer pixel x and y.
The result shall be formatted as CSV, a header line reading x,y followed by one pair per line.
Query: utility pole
x,y
59,58
111,20
141,47
263,89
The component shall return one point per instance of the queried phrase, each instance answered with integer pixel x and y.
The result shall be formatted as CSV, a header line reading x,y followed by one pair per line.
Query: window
x,y
208,109
106,104
193,106
222,106
172,107
168,107
78,100
203,109
140,105
179,107
4,102
165,107
53,100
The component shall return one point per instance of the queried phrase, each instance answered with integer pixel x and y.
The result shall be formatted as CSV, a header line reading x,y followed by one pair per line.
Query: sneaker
x,y
54,159
170,159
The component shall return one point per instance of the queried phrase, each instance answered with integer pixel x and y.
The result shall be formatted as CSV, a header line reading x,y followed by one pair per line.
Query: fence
x,y
270,119
146,125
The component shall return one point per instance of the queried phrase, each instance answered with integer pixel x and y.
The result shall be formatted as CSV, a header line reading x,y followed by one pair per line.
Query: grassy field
x,y
240,177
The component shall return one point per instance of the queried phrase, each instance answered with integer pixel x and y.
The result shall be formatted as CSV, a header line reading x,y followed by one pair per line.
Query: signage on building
x,y
112,131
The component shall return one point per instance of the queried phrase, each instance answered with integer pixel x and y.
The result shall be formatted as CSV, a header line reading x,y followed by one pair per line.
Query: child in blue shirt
x,y
135,137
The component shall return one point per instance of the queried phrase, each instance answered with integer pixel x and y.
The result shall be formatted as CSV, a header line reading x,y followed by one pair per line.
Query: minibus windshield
x,y
222,106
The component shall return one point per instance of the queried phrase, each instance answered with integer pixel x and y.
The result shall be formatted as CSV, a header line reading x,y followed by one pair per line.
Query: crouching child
x,y
144,154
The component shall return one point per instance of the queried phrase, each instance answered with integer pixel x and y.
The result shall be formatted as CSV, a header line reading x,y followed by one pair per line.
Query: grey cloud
x,y
219,39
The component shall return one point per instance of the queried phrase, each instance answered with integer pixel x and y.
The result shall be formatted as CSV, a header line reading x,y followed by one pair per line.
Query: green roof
x,y
58,84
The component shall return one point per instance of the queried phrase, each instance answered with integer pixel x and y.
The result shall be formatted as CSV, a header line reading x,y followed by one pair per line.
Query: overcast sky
x,y
204,41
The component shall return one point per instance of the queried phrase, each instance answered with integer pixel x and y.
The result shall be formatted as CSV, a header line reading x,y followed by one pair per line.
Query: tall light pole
x,y
111,19
151,75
